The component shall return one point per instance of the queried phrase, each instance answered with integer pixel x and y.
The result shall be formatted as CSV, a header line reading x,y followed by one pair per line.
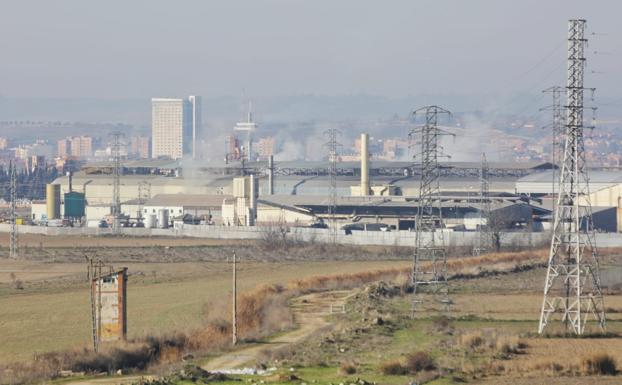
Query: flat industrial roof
x,y
188,200
375,164
595,176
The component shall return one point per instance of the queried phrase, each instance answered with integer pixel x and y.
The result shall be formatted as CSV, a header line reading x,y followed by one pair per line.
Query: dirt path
x,y
310,313
109,380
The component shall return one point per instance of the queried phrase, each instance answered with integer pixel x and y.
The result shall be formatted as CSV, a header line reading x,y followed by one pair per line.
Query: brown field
x,y
43,241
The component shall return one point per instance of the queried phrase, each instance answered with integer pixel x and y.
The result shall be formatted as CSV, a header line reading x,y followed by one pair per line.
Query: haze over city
x,y
403,49
289,192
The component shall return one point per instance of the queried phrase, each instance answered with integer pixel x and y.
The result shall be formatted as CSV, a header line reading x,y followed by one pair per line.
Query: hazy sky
x,y
142,48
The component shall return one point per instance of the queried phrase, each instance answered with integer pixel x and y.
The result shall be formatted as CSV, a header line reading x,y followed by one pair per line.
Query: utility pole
x,y
332,146
484,239
94,274
13,235
271,175
572,287
430,258
557,132
116,181
234,315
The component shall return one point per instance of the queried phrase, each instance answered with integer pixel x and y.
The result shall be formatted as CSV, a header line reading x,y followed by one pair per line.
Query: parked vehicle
x,y
349,228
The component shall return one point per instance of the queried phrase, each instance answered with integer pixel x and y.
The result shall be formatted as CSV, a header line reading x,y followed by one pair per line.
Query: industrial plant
x,y
267,268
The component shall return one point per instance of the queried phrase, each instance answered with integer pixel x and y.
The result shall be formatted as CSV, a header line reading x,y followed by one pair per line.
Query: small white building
x,y
38,211
208,207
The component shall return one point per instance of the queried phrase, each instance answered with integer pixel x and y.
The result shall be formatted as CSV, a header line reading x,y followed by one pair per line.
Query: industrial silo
x,y
52,201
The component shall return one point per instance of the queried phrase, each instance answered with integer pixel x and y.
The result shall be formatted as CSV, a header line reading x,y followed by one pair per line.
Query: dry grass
x,y
36,241
582,357
262,311
393,368
413,363
419,361
176,301
490,341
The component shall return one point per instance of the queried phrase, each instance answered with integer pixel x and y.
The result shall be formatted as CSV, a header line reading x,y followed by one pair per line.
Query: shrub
x,y
442,324
419,361
347,368
601,363
472,340
16,283
393,368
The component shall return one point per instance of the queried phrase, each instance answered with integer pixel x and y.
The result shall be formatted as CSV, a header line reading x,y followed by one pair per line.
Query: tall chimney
x,y
253,190
364,164
271,175
70,180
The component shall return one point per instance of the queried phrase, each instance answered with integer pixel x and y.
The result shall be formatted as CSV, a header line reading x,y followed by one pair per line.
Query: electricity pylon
x,y
430,258
572,287
484,239
116,181
13,235
332,146
557,132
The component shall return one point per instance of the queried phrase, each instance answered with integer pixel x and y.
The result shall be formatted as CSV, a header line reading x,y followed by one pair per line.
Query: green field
x,y
55,314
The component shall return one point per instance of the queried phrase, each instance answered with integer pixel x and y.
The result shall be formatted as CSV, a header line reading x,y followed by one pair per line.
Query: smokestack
x,y
364,164
69,177
253,200
271,175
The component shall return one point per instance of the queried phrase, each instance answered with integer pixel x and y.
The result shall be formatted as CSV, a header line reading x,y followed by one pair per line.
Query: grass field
x,y
53,312
490,307
500,311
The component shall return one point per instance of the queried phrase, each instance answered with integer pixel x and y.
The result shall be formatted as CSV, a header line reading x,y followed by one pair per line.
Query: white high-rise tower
x,y
249,127
175,127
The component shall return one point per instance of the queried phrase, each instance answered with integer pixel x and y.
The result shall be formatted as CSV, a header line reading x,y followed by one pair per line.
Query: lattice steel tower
x,y
430,259
13,235
484,239
557,131
572,287
332,146
116,180
144,194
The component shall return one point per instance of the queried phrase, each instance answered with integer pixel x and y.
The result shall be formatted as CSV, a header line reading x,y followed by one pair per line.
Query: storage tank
x,y
163,218
151,220
75,204
52,201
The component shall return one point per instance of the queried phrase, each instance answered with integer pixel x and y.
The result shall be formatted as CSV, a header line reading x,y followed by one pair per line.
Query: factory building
x,y
602,182
219,194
